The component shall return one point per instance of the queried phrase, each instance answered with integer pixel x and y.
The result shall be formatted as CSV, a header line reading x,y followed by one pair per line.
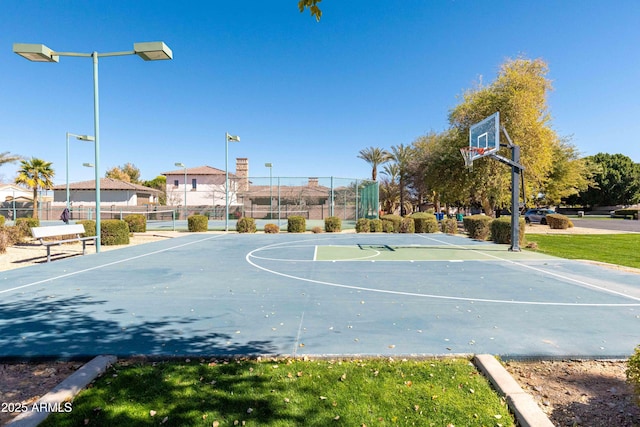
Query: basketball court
x,y
318,294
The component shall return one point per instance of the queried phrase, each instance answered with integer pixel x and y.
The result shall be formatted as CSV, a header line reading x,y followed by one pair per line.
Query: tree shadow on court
x,y
74,328
227,388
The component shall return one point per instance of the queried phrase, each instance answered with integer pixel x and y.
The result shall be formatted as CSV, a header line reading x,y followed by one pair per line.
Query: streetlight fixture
x,y
270,166
80,138
181,165
227,139
149,51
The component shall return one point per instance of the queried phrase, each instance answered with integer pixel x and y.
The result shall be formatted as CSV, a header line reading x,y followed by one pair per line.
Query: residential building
x,y
113,192
205,185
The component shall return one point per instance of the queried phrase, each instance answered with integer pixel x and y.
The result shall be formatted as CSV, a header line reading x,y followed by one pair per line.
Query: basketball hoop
x,y
469,154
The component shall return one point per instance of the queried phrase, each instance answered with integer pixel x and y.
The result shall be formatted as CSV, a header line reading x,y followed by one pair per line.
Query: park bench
x,y
71,233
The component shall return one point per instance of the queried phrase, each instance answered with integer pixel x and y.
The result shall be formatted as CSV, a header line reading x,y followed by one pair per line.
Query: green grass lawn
x,y
620,249
289,392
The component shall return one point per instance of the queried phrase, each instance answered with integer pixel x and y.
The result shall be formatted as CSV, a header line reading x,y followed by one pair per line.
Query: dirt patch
x,y
25,383
580,393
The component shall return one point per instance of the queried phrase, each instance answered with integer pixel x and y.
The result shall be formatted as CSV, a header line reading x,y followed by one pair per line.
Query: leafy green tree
x,y
569,176
444,179
35,174
312,5
375,157
127,173
520,95
159,183
616,181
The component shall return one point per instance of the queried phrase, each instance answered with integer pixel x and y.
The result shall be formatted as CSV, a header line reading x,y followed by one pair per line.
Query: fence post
x,y
332,201
356,215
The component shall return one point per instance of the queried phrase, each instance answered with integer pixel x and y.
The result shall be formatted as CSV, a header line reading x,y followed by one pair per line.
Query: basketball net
x,y
468,154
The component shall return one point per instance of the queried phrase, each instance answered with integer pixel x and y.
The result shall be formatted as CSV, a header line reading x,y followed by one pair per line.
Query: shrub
x,y
425,222
24,225
137,223
316,230
388,226
501,230
9,236
1,220
375,225
396,220
363,225
296,224
477,226
246,225
449,226
271,229
89,227
407,225
197,223
12,234
114,232
633,372
29,222
5,240
558,221
332,224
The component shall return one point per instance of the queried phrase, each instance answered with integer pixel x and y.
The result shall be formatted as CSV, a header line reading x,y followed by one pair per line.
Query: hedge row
x,y
482,227
295,224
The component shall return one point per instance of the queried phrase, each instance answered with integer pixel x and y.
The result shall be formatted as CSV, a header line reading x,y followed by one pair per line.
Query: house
x,y
113,192
15,201
205,185
267,201
11,192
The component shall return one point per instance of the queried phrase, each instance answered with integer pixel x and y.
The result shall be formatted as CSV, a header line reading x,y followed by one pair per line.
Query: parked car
x,y
537,215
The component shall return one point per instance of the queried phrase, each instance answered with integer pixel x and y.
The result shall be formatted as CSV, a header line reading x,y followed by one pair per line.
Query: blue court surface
x,y
318,294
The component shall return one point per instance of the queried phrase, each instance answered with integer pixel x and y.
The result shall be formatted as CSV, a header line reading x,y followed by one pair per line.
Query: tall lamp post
x,y
227,139
80,138
270,166
150,51
181,165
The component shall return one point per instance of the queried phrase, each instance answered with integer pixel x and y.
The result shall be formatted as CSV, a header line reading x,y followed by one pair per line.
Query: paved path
x,y
608,224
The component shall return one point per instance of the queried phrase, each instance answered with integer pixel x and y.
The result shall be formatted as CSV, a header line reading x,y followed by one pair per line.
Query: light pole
x,y
181,165
270,166
150,51
227,138
80,138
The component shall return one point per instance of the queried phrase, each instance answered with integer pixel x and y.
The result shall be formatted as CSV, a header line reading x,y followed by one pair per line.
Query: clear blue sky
x,y
304,95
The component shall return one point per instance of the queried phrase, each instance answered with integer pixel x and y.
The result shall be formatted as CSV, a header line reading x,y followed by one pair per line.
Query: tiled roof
x,y
199,170
106,184
288,191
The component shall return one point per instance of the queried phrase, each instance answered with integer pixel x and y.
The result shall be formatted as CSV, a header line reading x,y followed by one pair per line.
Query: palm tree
x,y
401,156
375,157
389,194
35,174
7,157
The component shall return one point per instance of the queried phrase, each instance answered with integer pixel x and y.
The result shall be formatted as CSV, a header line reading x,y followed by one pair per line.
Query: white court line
x,y
315,254
539,270
296,343
442,297
63,276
